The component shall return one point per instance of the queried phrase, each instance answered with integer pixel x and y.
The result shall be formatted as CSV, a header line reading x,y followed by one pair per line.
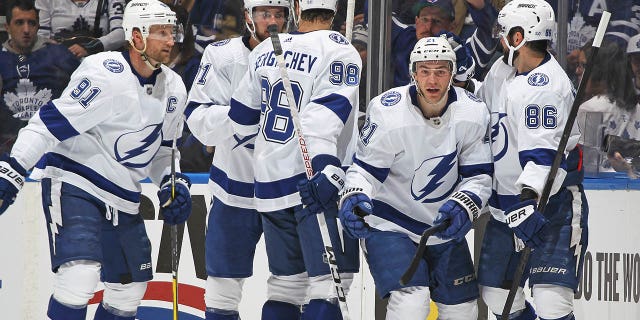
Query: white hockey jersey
x,y
410,166
223,65
62,19
107,131
324,69
528,114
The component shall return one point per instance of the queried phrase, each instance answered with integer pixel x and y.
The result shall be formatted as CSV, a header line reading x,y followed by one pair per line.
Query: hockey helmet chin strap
x,y
512,50
442,100
144,56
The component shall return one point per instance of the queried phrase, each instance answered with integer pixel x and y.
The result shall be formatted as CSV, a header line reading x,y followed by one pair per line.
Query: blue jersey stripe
x,y
389,213
476,170
242,114
59,161
230,186
56,122
339,104
542,157
279,188
379,173
503,201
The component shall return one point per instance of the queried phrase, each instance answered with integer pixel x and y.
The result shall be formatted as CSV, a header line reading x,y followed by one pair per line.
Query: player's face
x,y
430,22
23,28
160,40
582,61
432,78
262,17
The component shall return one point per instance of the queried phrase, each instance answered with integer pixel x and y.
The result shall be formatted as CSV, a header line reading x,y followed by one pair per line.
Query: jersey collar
x,y
413,93
151,80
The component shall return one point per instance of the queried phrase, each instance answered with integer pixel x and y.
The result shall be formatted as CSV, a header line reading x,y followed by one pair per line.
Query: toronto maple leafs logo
x,y
435,179
137,149
26,100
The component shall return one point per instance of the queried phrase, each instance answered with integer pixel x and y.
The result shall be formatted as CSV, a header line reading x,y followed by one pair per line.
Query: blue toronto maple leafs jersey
x,y
223,65
410,166
109,129
30,81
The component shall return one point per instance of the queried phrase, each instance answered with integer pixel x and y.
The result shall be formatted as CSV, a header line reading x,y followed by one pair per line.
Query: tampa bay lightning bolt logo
x,y
220,43
338,38
172,101
136,149
499,148
435,180
538,79
390,98
112,65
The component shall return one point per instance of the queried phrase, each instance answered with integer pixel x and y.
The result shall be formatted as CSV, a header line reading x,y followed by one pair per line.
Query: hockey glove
x,y
461,209
465,65
354,206
527,222
321,191
11,180
178,209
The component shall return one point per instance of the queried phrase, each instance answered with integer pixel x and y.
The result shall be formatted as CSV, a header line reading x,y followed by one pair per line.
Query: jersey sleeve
x,y
374,156
85,102
332,102
114,39
208,106
44,17
541,118
475,161
481,42
244,111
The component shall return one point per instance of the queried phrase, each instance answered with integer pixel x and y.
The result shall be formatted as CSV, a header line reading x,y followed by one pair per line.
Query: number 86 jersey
x,y
324,69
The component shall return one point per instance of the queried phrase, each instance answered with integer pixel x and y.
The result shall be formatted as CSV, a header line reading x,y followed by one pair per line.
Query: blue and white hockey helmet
x,y
535,17
318,4
142,14
432,49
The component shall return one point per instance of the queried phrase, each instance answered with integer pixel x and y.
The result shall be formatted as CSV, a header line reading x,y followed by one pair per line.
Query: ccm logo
x,y
465,279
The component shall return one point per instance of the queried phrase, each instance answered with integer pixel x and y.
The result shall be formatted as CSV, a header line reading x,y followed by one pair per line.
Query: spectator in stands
x,y
86,27
633,52
609,105
433,17
32,70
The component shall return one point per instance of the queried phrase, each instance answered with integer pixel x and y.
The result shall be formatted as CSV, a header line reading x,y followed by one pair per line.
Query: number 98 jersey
x,y
324,69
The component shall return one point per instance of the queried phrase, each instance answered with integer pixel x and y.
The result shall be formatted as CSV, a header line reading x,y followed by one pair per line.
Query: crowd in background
x,y
71,30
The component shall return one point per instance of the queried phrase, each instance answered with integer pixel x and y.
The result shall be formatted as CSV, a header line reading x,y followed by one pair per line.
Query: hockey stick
x,y
306,158
174,229
546,191
351,8
411,270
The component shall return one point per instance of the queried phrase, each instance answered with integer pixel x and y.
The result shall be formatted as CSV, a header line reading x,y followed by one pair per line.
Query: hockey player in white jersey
x,y
530,97
422,158
112,127
325,73
234,226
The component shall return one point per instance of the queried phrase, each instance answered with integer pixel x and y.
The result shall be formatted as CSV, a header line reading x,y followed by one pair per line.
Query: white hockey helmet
x,y
535,17
318,4
142,14
432,49
250,4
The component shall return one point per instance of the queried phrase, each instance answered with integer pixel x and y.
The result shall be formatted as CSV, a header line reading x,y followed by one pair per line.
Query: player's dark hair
x,y
611,75
539,46
317,14
24,5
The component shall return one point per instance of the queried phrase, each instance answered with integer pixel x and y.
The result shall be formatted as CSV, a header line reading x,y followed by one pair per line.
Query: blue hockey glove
x,y
321,191
465,65
354,207
527,222
11,180
461,209
177,210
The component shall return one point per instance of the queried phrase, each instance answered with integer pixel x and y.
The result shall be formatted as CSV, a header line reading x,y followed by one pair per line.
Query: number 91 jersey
x,y
324,69
528,114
